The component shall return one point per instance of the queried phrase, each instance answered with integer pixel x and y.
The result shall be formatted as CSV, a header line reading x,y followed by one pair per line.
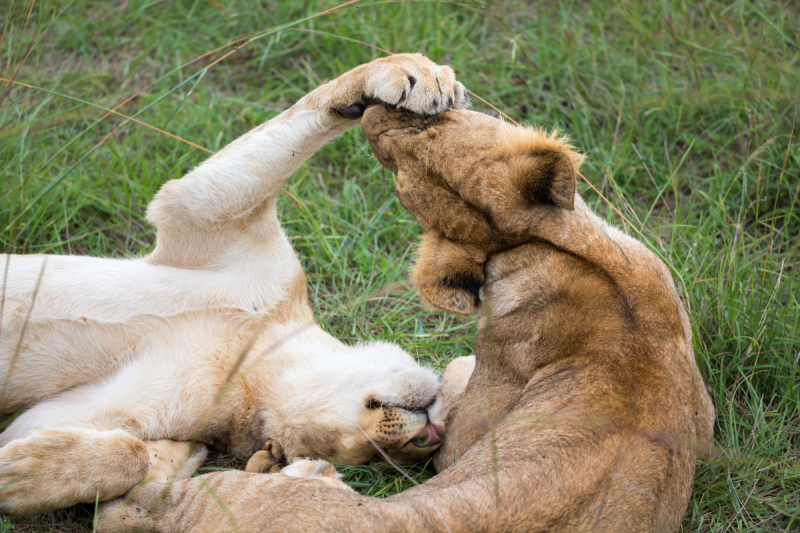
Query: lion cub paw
x,y
61,467
170,460
415,83
267,460
311,468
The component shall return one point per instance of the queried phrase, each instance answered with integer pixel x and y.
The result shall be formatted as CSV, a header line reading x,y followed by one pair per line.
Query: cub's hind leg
x,y
54,468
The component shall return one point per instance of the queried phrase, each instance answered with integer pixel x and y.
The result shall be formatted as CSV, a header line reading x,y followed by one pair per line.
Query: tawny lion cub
x,y
211,336
585,411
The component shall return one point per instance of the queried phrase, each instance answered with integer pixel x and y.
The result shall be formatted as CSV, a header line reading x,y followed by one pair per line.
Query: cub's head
x,y
368,396
407,423
477,186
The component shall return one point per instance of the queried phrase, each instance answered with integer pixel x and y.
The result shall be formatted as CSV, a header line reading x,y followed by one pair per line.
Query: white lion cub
x,y
210,338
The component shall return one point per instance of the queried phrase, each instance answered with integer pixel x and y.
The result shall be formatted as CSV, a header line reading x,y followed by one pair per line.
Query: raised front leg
x,y
231,195
56,468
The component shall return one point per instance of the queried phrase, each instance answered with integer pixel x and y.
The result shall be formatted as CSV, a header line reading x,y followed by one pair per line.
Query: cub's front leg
x,y
230,195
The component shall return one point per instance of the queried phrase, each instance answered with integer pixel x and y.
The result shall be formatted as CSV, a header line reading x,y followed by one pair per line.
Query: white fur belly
x,y
165,389
57,355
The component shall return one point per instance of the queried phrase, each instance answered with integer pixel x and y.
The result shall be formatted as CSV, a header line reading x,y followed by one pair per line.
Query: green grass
x,y
686,109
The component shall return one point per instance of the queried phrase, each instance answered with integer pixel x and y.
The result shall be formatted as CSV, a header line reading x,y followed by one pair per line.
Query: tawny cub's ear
x,y
544,166
449,275
547,177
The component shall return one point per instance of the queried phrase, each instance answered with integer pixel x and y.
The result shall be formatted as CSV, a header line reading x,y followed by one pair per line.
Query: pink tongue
x,y
433,435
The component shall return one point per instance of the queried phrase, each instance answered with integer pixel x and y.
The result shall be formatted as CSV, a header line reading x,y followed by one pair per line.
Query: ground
x,y
686,109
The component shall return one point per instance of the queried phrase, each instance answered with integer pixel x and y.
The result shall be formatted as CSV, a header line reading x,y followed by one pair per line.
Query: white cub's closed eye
x,y
374,403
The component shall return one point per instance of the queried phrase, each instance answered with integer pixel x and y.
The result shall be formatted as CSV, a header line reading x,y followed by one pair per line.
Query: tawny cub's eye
x,y
373,403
